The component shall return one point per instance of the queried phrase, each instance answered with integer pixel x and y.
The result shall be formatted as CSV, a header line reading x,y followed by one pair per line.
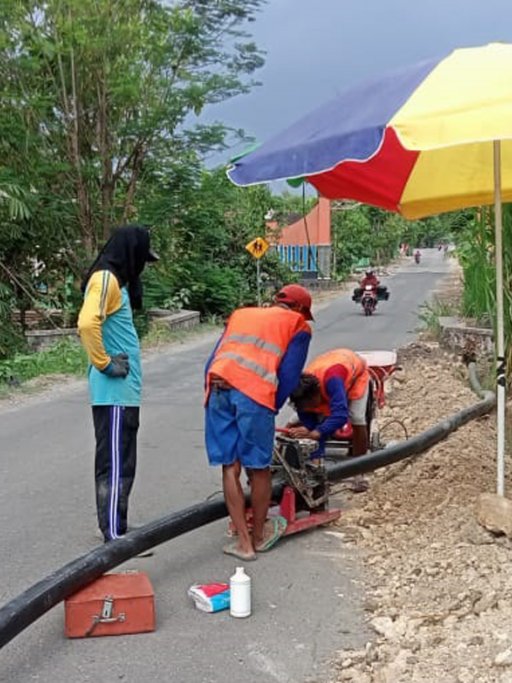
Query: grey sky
x,y
316,48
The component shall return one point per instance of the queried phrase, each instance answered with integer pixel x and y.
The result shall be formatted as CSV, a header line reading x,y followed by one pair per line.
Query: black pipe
x,y
474,380
27,607
414,445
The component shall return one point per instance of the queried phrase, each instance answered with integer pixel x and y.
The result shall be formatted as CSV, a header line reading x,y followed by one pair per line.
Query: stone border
x,y
180,320
43,339
457,335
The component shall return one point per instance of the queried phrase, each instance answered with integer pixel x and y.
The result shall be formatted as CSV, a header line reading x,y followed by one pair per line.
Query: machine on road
x,y
305,499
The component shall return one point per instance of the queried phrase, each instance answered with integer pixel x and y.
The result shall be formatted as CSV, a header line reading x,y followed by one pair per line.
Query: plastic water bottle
x,y
240,594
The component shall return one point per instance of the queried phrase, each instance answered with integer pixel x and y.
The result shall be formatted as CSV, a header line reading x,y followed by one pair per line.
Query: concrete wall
x,y
181,320
458,336
43,339
324,261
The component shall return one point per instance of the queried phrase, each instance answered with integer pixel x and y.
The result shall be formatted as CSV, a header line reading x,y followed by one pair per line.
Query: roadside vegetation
x,y
365,232
476,253
65,357
432,311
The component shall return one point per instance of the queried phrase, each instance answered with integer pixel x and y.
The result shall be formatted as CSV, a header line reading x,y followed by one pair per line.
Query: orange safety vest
x,y
253,344
355,382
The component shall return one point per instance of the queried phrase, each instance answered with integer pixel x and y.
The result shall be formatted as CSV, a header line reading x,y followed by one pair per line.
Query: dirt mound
x,y
439,587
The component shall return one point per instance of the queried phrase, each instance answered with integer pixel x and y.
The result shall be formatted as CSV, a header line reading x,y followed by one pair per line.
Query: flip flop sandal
x,y
232,549
279,525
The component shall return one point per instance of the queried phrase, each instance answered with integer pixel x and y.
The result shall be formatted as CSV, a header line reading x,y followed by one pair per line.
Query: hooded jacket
x,y
111,289
125,255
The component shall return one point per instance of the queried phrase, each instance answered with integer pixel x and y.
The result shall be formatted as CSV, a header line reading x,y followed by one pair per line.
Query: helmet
x,y
369,271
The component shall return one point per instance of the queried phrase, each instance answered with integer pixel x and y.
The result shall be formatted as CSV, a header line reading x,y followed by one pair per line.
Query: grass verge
x,y
161,335
431,312
65,357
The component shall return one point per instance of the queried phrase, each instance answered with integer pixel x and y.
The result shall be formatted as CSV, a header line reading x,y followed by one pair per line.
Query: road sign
x,y
257,247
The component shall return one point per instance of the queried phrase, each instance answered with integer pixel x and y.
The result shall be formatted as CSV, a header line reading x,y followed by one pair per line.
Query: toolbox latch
x,y
106,616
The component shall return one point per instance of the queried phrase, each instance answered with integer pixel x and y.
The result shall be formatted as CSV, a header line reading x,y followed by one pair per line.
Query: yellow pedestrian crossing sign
x,y
257,247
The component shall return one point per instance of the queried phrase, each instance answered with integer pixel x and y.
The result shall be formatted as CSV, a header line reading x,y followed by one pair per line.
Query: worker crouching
x,y
333,389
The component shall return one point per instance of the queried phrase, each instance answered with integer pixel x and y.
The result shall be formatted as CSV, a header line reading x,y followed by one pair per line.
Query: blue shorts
x,y
238,429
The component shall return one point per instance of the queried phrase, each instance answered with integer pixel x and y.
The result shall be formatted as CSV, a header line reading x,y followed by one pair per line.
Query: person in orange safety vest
x,y
251,372
333,388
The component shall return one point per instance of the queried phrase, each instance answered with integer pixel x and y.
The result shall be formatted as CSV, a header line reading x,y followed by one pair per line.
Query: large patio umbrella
x,y
435,136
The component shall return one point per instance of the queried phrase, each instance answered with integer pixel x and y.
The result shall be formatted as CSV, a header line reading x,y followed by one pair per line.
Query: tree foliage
x,y
475,239
366,232
98,103
204,224
363,232
95,88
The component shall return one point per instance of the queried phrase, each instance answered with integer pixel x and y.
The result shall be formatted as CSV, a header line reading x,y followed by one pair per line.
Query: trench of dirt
x,y
438,586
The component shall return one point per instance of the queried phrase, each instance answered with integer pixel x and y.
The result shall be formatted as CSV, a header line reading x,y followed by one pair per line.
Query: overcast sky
x,y
316,48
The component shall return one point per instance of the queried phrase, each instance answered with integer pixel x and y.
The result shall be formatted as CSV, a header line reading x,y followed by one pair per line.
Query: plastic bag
x,y
210,597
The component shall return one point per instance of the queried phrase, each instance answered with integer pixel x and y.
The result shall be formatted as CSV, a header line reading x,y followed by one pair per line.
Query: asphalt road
x,y
306,592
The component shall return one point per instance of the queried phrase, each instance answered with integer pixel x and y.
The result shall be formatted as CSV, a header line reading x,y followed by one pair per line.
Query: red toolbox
x,y
113,605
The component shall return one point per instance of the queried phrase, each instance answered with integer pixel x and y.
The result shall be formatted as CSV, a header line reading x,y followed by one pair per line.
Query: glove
x,y
119,366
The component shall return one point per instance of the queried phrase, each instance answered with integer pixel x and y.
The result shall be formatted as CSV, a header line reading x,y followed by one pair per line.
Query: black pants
x,y
115,428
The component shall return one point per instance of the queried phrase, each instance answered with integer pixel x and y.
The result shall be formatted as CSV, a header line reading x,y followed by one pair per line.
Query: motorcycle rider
x,y
370,279
417,255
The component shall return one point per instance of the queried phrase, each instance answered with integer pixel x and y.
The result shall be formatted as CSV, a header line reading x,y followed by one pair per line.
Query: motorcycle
x,y
368,296
369,299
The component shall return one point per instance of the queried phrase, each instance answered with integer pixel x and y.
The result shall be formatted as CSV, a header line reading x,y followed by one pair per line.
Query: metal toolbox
x,y
115,604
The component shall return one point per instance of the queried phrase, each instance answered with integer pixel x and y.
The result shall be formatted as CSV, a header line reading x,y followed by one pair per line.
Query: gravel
x,y
438,584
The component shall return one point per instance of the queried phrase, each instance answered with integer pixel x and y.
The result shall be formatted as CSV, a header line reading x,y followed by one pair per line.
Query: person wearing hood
x,y
112,289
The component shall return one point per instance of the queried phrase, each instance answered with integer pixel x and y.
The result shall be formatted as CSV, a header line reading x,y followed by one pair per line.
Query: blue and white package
x,y
210,597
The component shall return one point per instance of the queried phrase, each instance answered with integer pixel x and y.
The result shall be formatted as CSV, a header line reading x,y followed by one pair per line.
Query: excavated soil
x,y
438,586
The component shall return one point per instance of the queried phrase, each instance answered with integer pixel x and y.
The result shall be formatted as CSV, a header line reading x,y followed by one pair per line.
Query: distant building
x,y
305,243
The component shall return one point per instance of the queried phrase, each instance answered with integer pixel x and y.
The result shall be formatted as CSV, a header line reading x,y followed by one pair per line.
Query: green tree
x,y
203,223
98,98
361,231
428,232
97,87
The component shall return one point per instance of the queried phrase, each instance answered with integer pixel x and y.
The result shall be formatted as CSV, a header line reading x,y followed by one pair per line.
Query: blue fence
x,y
298,257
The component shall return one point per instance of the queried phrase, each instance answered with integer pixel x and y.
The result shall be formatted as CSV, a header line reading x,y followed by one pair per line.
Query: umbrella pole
x,y
500,341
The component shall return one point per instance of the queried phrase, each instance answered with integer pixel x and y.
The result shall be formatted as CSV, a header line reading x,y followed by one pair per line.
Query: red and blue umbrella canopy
x,y
417,141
